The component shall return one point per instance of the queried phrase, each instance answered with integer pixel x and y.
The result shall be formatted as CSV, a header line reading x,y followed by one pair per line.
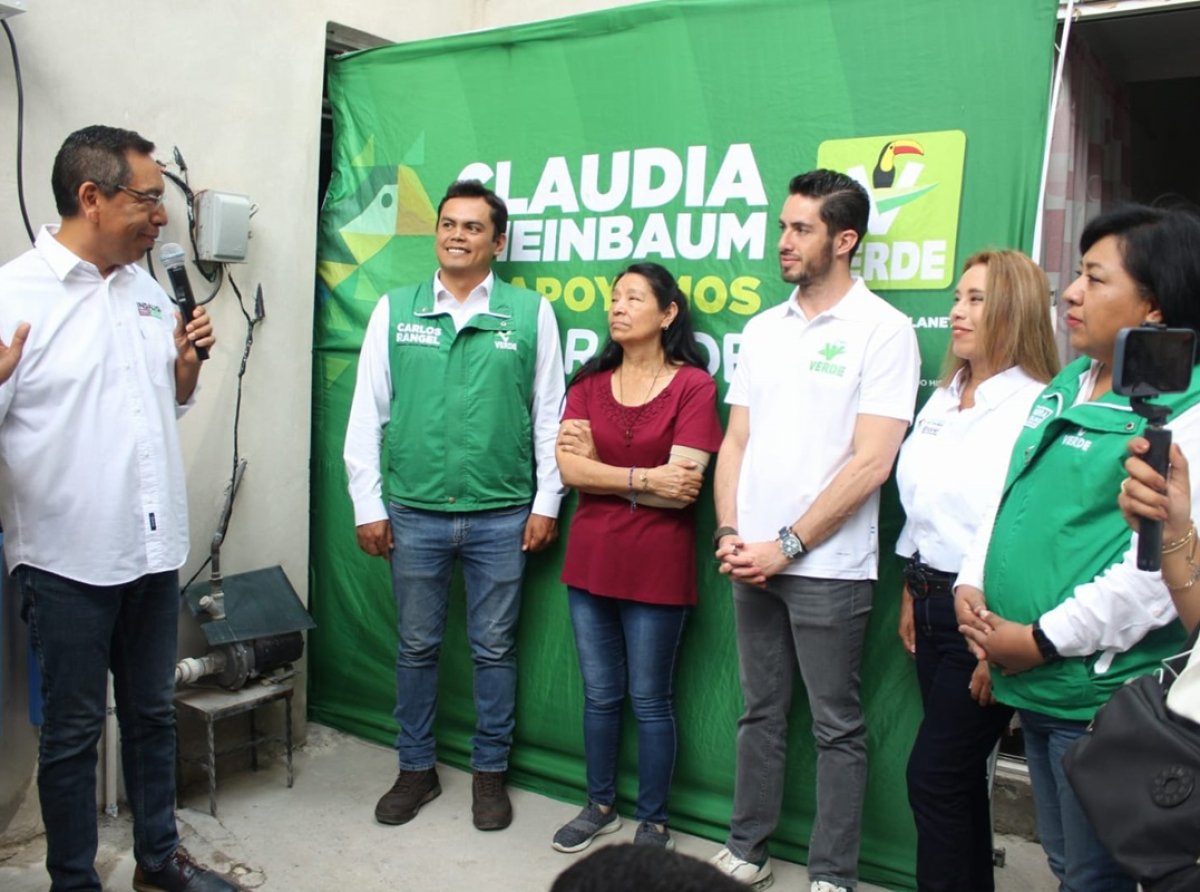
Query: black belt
x,y
924,581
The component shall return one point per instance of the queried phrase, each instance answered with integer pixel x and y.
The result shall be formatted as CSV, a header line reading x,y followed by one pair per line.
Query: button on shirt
x,y
91,476
371,406
805,382
952,467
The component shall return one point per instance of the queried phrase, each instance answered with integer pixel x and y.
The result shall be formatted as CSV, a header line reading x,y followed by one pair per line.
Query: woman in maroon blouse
x,y
639,428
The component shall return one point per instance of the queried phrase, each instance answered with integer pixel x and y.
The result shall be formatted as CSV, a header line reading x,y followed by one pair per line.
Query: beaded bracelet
x,y
632,491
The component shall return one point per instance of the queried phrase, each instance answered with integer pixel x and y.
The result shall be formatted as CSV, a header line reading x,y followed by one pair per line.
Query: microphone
x,y
172,258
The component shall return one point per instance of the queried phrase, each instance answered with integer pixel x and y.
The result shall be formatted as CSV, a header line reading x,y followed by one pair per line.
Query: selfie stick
x,y
1149,556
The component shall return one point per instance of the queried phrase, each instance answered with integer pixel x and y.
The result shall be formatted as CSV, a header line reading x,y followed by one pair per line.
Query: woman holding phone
x,y
1055,599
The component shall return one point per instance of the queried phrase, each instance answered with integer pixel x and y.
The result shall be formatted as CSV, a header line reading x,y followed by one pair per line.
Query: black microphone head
x,y
171,255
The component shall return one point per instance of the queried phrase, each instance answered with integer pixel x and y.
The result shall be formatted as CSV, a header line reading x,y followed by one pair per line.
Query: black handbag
x,y
1137,776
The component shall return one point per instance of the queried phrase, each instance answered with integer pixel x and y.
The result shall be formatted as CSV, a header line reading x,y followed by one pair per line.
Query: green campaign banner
x,y
666,131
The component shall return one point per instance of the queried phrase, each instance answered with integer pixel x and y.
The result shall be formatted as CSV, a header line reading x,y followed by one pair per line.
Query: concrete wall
x,y
237,87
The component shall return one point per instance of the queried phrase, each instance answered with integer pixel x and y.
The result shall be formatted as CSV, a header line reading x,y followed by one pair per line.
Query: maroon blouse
x,y
649,554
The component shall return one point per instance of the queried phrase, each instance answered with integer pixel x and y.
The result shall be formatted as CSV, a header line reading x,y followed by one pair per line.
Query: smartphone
x,y
1152,359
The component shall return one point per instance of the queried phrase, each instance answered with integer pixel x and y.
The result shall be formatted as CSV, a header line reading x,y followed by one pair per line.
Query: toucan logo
x,y
890,193
915,184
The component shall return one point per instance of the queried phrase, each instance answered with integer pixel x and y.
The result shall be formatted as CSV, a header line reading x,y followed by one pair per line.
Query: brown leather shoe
x,y
180,873
490,806
412,789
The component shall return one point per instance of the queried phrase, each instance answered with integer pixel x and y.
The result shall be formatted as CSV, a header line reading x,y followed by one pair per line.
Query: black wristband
x,y
720,533
1044,645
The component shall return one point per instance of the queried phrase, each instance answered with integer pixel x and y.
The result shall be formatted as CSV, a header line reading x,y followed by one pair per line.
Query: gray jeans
x,y
818,624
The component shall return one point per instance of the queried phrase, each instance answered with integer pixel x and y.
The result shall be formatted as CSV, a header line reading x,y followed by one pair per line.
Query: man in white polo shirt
x,y
821,398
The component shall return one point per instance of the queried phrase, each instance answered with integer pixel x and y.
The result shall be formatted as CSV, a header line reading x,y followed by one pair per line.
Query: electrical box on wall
x,y
222,226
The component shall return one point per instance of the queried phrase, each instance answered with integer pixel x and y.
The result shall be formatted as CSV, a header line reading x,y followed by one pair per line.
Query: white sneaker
x,y
823,886
757,876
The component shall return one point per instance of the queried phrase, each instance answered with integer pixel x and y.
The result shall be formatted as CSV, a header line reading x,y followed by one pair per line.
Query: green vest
x,y
459,436
1058,526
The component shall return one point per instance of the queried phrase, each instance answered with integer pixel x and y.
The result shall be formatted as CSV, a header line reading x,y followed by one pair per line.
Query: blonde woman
x,y
950,472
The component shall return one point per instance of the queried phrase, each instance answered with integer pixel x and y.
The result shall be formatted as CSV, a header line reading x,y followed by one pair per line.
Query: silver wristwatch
x,y
790,544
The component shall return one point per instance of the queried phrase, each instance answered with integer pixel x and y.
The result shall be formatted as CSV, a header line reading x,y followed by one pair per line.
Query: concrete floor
x,y
321,835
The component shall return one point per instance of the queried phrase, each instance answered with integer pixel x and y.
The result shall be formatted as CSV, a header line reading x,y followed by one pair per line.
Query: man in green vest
x,y
459,389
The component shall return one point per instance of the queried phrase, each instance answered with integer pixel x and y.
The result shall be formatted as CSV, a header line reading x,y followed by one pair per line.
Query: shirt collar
x,y
61,259
996,389
442,297
851,306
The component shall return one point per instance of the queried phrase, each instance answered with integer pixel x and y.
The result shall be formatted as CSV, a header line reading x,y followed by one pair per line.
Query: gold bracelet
x,y
1193,570
1182,541
644,479
1192,579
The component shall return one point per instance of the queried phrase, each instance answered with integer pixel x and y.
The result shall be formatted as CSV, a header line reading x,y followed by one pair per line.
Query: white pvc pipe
x,y
1054,94
110,751
191,669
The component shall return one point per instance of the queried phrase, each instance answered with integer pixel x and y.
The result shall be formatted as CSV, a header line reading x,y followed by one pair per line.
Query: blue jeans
x,y
79,633
947,769
1077,858
426,544
818,624
616,640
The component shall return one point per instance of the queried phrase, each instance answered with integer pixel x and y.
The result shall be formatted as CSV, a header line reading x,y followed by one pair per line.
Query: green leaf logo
x,y
832,351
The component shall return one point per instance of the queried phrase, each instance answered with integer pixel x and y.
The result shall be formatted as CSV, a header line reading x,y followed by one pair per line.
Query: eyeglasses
x,y
152,200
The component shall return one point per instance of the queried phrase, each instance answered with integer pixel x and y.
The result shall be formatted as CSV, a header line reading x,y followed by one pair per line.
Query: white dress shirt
x,y
91,476
1123,604
805,382
371,407
952,467
1184,696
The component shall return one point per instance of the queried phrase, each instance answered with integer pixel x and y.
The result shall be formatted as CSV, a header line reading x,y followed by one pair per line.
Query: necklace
x,y
631,418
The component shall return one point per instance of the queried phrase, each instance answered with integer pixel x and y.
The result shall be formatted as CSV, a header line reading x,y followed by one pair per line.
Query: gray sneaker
x,y
757,876
578,834
649,835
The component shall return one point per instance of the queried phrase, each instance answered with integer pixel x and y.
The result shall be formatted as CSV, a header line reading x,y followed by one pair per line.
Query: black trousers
x,y
947,770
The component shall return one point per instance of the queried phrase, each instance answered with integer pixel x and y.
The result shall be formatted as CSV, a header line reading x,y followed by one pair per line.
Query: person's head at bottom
x,y
645,869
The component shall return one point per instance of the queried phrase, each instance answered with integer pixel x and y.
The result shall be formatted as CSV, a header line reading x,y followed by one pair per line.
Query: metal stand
x,y
213,704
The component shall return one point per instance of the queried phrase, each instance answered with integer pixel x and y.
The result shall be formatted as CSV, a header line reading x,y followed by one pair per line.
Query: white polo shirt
x,y
952,467
805,382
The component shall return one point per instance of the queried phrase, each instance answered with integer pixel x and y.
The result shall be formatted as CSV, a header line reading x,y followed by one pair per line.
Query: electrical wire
x,y
183,589
208,271
216,287
252,321
12,43
210,275
216,274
